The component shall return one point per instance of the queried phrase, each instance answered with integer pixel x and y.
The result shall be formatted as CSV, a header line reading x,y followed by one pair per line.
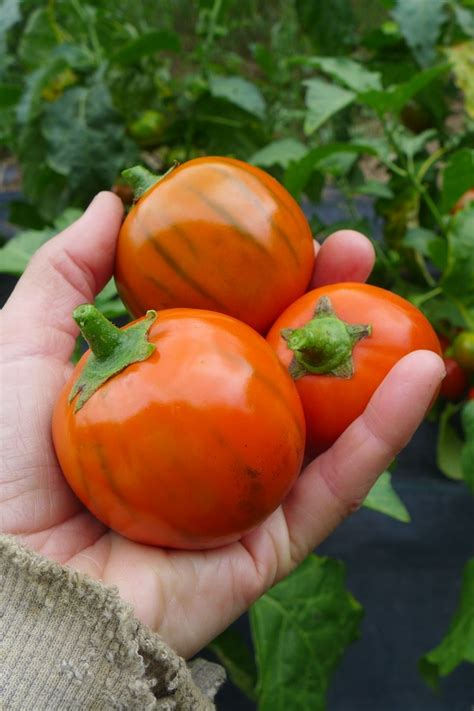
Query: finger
x,y
68,270
344,256
338,481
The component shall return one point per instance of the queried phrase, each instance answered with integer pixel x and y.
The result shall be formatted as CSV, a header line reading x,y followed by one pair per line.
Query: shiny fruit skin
x,y
331,403
192,447
218,234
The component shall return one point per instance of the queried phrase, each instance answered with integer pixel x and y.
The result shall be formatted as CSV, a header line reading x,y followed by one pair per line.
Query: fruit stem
x,y
112,349
101,334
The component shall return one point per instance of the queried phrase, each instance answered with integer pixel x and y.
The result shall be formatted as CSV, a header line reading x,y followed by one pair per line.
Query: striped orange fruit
x,y
191,447
215,233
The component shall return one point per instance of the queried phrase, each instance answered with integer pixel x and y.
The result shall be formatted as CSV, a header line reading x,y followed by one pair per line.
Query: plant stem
x,y
428,295
415,179
90,29
430,161
429,201
58,32
211,31
466,314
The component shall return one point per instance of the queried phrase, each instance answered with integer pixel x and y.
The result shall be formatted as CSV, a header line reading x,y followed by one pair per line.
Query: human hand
x,y
187,597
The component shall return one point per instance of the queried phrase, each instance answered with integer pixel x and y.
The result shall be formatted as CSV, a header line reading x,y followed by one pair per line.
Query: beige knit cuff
x,y
69,642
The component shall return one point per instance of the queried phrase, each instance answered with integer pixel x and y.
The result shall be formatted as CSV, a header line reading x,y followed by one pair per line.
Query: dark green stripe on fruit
x,y
181,233
171,262
250,195
109,474
278,395
229,219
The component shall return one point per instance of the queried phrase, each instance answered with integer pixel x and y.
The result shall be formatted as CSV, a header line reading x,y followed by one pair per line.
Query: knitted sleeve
x,y
69,642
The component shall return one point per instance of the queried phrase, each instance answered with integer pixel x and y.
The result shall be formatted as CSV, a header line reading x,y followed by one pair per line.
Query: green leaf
x,y
458,644
86,139
395,97
24,215
330,25
146,44
460,57
298,173
37,39
9,14
412,144
419,238
467,453
337,164
428,243
438,253
323,100
281,152
46,190
420,22
233,653
70,215
383,498
465,19
17,252
347,72
300,630
30,104
376,146
458,177
374,188
238,91
448,447
265,59
441,309
55,64
458,278
9,95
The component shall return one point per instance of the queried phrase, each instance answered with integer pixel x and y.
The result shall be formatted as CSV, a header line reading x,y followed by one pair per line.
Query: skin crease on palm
x,y
187,597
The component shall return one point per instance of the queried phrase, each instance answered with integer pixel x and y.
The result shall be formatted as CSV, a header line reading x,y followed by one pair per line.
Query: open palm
x,y
187,597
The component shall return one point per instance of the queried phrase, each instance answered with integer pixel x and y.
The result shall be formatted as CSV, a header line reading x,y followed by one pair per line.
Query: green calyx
x,y
113,349
141,179
325,344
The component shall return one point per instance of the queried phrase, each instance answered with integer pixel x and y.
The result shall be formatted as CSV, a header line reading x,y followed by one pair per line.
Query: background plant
x,y
367,104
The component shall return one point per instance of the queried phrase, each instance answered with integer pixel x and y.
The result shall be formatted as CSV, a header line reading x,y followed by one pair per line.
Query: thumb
x,y
68,270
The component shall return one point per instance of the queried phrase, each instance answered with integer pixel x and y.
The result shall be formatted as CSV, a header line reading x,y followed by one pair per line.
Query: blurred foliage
x,y
458,644
368,100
